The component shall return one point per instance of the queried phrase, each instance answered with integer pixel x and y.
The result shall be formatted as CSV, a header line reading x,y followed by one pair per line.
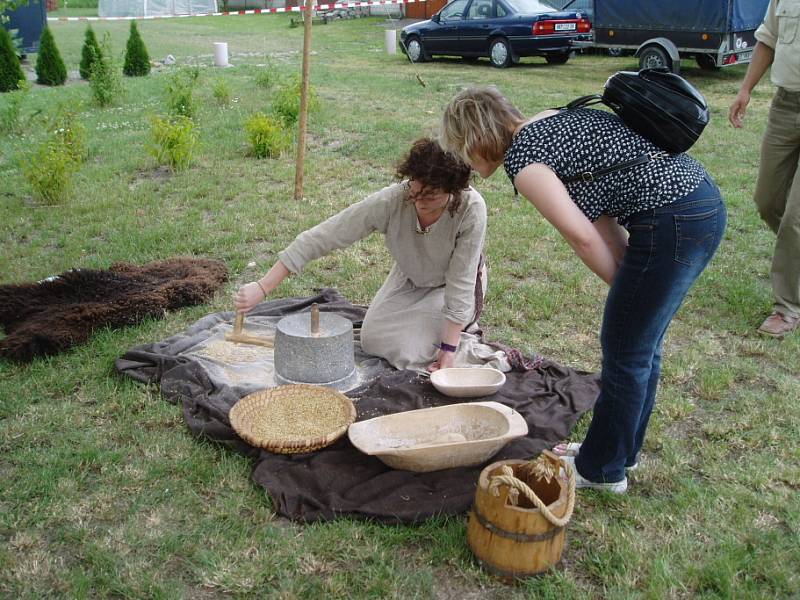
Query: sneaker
x,y
778,325
615,487
574,448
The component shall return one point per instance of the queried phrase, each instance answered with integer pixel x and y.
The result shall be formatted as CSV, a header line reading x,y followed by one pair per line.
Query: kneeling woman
x,y
434,226
647,231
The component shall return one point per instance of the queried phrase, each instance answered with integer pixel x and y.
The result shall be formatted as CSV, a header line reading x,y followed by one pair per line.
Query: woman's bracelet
x,y
447,347
258,283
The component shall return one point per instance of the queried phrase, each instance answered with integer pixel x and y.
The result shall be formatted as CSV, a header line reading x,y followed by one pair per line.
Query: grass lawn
x,y
106,494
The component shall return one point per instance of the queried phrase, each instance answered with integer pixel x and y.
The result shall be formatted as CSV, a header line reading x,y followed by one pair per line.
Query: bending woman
x,y
647,231
434,226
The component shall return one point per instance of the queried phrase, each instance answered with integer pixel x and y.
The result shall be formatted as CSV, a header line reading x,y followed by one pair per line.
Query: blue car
x,y
503,30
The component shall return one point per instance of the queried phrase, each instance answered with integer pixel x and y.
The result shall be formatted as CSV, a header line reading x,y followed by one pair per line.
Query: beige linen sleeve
x,y
342,229
459,290
767,32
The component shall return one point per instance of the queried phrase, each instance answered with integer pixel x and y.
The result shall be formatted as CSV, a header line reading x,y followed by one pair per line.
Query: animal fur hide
x,y
50,316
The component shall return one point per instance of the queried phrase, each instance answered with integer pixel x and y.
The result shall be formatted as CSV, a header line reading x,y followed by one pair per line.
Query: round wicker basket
x,y
292,419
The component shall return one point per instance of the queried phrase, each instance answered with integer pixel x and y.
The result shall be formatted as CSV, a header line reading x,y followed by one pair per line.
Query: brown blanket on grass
x,y
339,480
50,316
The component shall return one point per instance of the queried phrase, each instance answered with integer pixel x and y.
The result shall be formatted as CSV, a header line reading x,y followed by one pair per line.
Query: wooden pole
x,y
303,117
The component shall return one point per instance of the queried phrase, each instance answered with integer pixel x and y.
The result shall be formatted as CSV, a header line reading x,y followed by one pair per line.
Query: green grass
x,y
106,494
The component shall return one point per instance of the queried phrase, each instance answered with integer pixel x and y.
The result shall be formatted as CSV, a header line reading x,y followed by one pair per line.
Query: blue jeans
x,y
667,250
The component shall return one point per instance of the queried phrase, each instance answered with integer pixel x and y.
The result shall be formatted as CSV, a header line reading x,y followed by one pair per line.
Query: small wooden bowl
x,y
292,419
468,382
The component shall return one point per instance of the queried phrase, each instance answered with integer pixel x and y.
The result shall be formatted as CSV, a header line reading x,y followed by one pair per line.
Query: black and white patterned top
x,y
586,139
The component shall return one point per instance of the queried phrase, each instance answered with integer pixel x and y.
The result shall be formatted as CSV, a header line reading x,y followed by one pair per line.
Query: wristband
x,y
447,347
258,283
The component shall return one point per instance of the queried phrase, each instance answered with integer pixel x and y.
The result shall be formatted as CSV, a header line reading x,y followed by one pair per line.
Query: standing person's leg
x,y
667,251
777,197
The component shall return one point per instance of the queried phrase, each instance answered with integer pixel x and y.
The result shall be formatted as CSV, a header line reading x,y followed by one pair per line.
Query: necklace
x,y
427,229
423,230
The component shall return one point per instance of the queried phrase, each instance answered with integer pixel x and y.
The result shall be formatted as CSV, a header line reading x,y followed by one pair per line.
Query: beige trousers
x,y
777,197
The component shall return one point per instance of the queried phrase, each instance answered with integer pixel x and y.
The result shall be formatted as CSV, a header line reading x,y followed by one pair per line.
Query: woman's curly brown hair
x,y
429,164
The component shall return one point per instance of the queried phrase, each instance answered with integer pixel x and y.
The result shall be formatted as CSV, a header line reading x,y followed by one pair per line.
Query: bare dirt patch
x,y
157,174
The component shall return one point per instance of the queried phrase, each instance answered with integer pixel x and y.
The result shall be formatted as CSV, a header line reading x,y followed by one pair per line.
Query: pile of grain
x,y
232,352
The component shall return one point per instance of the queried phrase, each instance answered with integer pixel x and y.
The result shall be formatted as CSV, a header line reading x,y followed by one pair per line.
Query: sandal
x,y
615,487
572,449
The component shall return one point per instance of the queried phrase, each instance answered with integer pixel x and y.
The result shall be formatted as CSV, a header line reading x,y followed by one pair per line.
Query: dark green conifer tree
x,y
137,61
10,71
89,53
50,68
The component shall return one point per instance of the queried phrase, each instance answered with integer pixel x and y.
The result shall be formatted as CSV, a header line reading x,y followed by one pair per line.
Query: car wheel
x,y
557,58
615,52
500,53
706,62
415,50
655,57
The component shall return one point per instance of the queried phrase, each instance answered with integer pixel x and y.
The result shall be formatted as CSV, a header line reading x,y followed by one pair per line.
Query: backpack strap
x,y
590,176
589,100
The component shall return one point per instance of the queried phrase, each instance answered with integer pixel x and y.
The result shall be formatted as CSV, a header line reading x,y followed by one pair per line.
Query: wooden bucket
x,y
517,523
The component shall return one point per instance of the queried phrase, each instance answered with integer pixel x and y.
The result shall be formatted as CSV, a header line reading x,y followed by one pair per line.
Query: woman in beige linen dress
x,y
434,226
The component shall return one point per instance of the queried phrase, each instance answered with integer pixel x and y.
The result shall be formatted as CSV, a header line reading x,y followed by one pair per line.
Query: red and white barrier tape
x,y
235,13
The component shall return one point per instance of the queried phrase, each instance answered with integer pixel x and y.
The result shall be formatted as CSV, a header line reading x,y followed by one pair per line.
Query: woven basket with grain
x,y
292,419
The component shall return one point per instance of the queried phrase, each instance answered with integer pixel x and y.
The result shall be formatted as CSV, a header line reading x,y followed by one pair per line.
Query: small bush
x,y
105,79
266,76
173,141
50,68
49,171
11,110
10,71
286,101
180,92
222,93
137,61
71,134
89,53
268,137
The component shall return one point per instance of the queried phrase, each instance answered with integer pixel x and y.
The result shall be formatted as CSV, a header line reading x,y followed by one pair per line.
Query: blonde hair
x,y
479,122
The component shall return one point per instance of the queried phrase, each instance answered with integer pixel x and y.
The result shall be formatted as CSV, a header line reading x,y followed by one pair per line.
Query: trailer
x,y
716,33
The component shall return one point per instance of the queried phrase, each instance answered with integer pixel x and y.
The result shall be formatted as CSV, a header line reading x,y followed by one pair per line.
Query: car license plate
x,y
744,56
565,27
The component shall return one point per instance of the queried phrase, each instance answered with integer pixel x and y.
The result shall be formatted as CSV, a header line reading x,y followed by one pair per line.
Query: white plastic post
x,y
221,54
391,41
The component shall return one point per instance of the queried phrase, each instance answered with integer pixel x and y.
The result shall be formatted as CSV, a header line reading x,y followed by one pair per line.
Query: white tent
x,y
153,8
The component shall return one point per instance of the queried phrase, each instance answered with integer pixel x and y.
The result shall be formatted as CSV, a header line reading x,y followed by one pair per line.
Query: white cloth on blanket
x,y
474,353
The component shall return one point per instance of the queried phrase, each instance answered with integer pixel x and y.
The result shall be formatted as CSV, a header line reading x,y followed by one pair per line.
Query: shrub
x,y
173,141
137,61
10,71
286,101
268,137
49,171
105,79
71,134
221,91
180,92
11,110
50,69
266,76
89,53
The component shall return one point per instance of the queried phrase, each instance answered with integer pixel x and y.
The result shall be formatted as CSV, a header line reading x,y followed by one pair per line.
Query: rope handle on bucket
x,y
517,485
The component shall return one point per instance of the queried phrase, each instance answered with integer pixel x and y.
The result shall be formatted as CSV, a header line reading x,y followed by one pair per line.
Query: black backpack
x,y
657,104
